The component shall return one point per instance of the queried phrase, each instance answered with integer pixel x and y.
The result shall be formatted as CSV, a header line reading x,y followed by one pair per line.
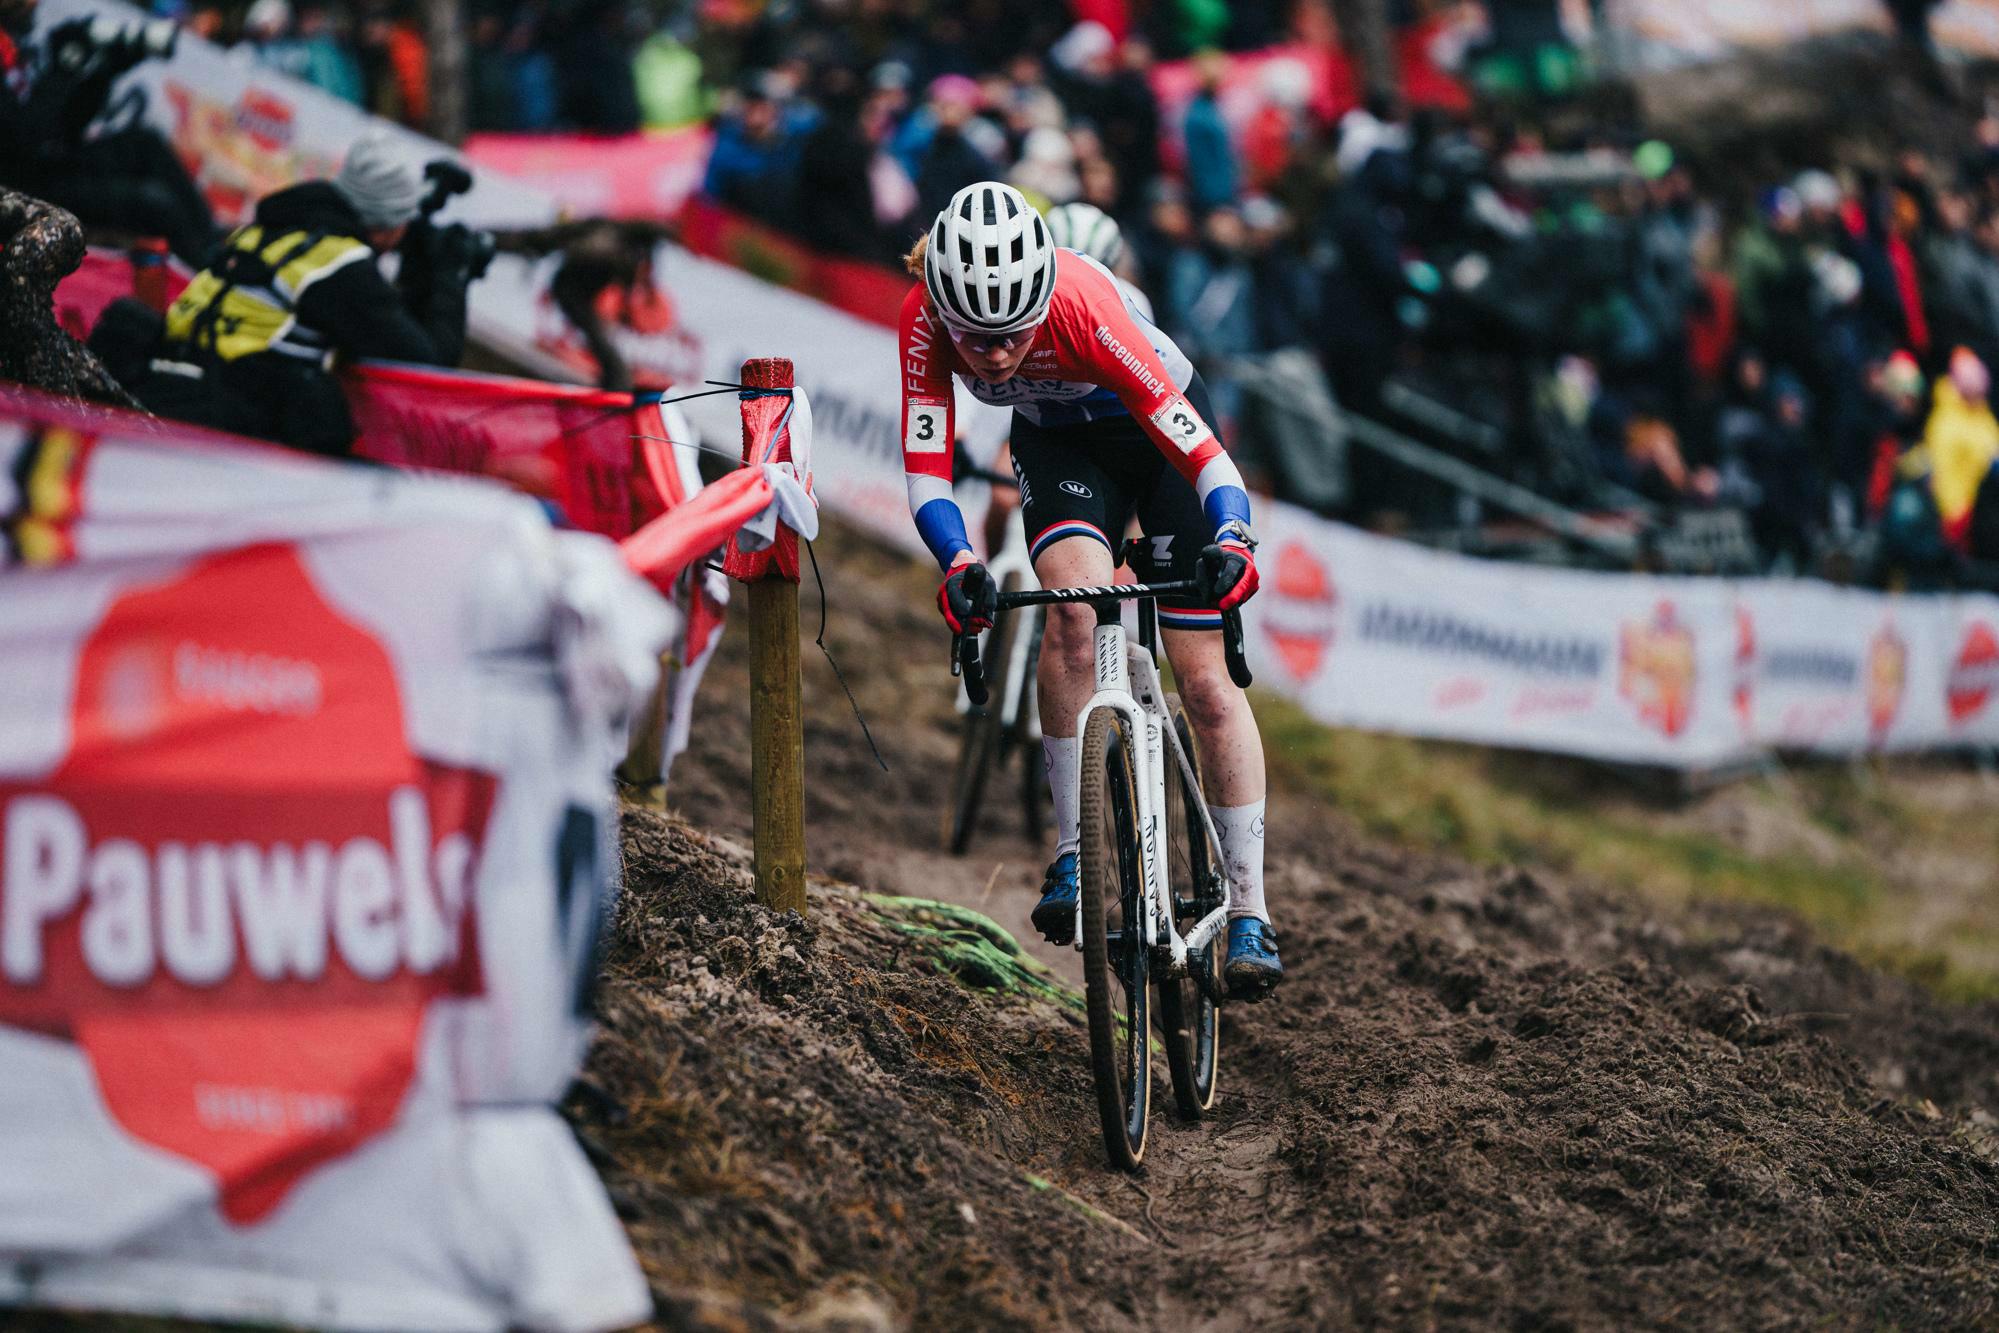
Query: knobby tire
x,y
1111,874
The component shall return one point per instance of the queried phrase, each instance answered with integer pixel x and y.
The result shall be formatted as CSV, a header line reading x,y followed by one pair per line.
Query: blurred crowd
x,y
1623,331
1582,311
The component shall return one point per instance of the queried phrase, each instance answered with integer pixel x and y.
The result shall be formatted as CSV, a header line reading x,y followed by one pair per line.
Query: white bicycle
x,y
1153,909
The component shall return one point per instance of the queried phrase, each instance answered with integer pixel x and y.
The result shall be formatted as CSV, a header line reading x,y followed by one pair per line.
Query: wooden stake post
x,y
777,746
777,727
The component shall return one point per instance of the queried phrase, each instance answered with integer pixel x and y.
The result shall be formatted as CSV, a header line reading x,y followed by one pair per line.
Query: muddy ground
x,y
1483,1099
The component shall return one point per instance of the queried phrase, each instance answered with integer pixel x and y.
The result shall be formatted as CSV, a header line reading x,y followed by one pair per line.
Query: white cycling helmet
x,y
990,267
1088,230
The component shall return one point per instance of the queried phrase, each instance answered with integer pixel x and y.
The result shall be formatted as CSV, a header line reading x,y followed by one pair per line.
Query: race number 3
x,y
1180,423
923,430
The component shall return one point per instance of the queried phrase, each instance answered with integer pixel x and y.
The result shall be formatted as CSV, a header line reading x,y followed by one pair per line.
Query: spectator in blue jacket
x,y
1213,178
754,166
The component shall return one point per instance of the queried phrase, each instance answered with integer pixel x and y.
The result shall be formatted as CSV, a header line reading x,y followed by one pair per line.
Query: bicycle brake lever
x,y
967,657
1232,648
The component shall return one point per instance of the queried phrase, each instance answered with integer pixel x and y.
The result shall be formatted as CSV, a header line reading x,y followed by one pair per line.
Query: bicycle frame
x,y
1128,682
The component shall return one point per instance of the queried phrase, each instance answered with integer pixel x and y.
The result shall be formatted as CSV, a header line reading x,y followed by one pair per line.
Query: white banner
x,y
1380,634
1374,633
302,866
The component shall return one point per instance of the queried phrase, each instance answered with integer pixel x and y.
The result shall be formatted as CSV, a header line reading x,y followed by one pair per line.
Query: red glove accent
x,y
1226,572
968,609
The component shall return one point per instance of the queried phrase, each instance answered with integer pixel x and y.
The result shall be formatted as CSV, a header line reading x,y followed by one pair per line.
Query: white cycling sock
x,y
1240,828
1059,753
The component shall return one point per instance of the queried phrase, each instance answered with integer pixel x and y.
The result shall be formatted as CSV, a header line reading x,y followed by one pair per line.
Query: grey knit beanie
x,y
383,186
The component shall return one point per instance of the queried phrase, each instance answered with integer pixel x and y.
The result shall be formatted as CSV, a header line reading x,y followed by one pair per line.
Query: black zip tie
x,y
852,702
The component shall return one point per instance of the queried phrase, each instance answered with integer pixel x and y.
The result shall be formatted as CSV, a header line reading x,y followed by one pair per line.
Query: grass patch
x,y
1843,864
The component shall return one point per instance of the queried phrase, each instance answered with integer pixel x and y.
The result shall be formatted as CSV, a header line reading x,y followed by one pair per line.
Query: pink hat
x,y
956,88
1968,373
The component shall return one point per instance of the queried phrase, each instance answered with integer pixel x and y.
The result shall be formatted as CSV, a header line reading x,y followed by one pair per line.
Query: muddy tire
x,y
1190,1022
1115,978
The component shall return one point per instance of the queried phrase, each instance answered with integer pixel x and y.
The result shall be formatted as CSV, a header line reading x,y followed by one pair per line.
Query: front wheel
x,y
1115,960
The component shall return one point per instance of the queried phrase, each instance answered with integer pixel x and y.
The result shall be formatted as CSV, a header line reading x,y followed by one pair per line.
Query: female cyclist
x,y
1109,420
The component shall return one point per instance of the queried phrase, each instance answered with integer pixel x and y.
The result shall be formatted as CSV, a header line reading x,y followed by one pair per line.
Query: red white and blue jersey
x,y
1094,357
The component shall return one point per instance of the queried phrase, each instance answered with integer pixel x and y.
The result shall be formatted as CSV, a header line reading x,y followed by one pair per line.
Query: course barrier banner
x,y
1374,633
305,846
645,176
576,448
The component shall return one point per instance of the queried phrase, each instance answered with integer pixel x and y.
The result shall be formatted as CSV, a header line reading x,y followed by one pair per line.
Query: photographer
x,y
249,346
49,95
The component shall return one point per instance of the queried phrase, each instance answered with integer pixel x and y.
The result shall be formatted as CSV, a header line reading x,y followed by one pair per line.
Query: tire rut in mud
x,y
1482,1099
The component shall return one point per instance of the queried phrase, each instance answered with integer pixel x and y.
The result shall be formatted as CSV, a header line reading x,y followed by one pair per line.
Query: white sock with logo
x,y
1240,828
1060,753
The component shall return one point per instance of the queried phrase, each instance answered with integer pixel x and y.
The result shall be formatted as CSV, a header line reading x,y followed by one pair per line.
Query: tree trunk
x,y
444,33
40,245
1369,39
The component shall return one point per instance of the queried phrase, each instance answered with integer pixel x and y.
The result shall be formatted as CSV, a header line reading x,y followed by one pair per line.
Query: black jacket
x,y
356,308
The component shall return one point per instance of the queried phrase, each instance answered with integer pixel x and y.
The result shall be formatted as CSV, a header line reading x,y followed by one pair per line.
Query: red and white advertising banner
x,y
1842,671
571,446
1374,633
1380,634
647,175
305,847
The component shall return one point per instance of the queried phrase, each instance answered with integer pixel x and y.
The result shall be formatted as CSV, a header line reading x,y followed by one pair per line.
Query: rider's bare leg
x,y
1231,759
1068,670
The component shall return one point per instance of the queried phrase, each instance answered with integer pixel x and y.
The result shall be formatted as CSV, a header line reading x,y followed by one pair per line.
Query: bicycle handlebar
x,y
973,472
965,647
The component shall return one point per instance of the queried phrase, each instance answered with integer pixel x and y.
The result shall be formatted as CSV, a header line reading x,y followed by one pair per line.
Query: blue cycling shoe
x,y
1055,915
1253,968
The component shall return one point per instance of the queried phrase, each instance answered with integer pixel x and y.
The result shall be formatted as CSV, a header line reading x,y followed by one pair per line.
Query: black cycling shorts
x,y
1088,479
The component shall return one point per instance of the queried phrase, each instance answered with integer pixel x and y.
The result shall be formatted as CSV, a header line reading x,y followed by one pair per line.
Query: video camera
x,y
471,247
83,58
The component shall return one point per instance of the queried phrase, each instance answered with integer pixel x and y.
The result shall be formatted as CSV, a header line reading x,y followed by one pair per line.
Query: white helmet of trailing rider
x,y
1088,230
990,265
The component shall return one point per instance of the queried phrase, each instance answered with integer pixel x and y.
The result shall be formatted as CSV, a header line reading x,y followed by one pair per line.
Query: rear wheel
x,y
1115,959
980,748
1189,1020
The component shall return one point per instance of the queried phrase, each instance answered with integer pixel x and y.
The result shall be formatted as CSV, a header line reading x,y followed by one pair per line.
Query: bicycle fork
x,y
1127,680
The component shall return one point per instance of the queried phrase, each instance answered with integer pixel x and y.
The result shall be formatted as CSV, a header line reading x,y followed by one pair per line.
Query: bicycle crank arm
x,y
1207,929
